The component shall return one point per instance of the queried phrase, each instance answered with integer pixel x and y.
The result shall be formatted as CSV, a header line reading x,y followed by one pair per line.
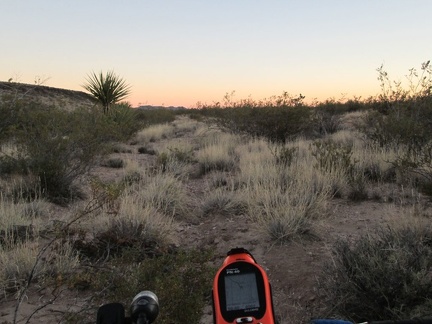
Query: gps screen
x,y
241,292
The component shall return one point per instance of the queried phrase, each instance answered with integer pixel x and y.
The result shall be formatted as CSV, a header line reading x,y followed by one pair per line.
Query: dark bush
x,y
404,115
58,147
155,116
146,150
181,279
397,128
386,275
123,122
325,123
277,124
12,165
331,156
114,163
278,118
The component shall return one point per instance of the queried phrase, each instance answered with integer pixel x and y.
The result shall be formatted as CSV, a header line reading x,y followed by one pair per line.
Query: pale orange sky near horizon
x,y
181,52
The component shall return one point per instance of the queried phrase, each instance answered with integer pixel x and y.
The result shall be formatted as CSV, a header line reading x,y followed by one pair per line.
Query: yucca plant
x,y
107,88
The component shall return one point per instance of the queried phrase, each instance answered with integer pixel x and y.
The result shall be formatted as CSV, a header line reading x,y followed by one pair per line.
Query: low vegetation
x,y
381,276
279,163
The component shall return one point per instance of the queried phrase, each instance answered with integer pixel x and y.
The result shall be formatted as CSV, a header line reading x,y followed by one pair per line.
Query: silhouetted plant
x,y
107,88
404,116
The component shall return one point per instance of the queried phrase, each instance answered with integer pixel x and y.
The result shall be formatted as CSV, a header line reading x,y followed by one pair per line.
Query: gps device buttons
x,y
244,320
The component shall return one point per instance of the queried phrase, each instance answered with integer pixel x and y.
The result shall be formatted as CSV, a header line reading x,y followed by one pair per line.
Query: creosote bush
x,y
59,147
278,119
382,276
402,122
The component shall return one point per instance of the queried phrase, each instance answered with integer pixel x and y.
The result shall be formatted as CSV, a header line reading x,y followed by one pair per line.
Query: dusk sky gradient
x,y
181,52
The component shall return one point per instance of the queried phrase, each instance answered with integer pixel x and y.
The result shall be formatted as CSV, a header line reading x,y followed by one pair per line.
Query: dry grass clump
x,y
19,261
182,148
155,133
212,135
216,157
21,220
12,214
135,225
282,198
372,160
184,124
218,153
138,220
223,202
165,192
133,172
8,149
287,212
20,225
257,164
351,120
176,157
137,214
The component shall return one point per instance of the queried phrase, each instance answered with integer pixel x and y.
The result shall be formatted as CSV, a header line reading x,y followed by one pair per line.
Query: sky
x,y
180,52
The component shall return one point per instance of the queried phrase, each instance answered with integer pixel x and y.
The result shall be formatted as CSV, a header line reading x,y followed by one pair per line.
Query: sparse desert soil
x,y
293,267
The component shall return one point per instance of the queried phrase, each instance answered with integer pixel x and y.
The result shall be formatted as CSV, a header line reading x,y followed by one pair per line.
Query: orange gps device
x,y
242,291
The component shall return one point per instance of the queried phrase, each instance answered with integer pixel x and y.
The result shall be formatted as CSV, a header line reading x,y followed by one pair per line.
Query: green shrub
x,y
417,161
277,124
277,119
156,116
404,116
123,122
403,121
58,147
381,276
396,129
182,281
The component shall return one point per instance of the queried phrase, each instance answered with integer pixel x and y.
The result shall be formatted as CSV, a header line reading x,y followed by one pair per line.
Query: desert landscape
x,y
158,208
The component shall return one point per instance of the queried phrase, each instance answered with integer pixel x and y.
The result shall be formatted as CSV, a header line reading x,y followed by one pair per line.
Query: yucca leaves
x,y
107,89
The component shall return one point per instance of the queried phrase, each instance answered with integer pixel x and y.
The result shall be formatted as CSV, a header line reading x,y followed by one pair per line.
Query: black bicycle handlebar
x,y
411,321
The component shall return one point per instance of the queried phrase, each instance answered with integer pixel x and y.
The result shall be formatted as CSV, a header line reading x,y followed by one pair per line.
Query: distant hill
x,y
149,107
69,99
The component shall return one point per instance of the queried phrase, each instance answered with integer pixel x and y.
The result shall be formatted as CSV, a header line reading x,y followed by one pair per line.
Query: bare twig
x,y
92,206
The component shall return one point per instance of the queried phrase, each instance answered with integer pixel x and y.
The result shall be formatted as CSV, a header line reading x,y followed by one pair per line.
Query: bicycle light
x,y
144,307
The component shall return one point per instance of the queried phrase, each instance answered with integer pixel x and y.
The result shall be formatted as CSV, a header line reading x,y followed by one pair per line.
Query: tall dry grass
x,y
165,192
184,124
155,133
20,260
218,152
282,199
